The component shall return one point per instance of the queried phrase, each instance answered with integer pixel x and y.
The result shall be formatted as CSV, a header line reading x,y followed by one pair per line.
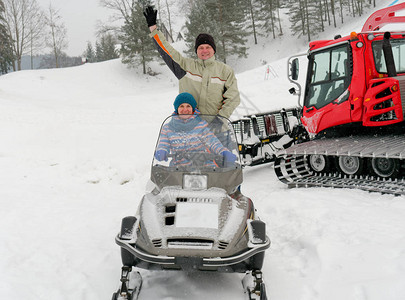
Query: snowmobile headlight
x,y
195,182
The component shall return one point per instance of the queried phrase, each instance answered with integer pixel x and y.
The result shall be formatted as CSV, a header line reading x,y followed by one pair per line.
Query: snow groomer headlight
x,y
194,182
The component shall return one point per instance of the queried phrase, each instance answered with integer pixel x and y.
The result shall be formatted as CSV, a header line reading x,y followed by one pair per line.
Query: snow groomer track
x,y
291,165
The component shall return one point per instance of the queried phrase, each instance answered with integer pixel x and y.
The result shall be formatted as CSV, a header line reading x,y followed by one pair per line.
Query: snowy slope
x,y
75,152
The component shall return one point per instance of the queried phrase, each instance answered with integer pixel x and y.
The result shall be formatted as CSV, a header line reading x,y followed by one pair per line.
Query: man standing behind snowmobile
x,y
212,83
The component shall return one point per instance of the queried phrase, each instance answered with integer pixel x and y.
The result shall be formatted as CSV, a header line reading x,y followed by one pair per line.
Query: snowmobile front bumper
x,y
172,262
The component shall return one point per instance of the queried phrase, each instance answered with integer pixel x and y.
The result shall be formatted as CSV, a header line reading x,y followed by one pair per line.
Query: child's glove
x,y
161,155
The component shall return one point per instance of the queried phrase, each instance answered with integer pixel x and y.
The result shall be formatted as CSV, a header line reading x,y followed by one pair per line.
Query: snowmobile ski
x,y
254,286
130,286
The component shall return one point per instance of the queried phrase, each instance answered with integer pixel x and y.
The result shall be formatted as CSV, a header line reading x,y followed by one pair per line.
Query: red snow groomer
x,y
350,128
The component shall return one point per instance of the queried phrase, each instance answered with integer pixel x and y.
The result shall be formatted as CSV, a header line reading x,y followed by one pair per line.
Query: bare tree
x,y
57,36
23,20
123,8
36,37
165,13
122,13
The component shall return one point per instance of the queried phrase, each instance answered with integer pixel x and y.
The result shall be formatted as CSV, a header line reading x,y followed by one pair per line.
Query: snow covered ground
x,y
75,151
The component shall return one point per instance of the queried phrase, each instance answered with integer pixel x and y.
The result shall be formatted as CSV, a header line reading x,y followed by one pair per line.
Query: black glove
x,y
150,15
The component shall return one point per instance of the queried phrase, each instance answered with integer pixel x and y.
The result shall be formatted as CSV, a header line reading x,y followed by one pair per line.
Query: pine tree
x,y
99,52
89,54
198,21
333,9
107,44
6,50
279,6
137,47
253,12
297,18
267,14
224,20
306,18
313,18
48,61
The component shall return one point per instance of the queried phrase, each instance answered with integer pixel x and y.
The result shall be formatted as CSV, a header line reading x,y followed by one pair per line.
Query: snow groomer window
x,y
328,77
398,52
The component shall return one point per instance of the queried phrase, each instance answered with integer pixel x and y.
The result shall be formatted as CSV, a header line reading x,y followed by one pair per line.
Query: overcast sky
x,y
80,18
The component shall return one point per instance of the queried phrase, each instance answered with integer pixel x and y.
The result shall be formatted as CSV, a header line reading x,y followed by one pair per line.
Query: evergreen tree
x,y
137,47
297,18
105,49
198,21
306,18
99,52
279,6
326,11
314,19
309,17
48,61
253,12
89,54
6,50
268,14
224,20
332,10
107,44
320,15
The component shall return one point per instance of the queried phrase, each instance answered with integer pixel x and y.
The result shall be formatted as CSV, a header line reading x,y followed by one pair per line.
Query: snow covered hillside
x,y
75,151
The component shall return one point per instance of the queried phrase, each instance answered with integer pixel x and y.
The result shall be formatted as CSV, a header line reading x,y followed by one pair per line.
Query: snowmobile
x,y
194,218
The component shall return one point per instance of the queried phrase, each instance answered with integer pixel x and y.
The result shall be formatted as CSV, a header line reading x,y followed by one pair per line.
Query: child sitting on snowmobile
x,y
187,132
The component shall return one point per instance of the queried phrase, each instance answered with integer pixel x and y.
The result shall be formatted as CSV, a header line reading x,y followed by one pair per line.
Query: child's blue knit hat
x,y
184,98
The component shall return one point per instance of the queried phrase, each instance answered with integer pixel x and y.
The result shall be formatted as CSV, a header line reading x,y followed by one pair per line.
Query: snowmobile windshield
x,y
193,145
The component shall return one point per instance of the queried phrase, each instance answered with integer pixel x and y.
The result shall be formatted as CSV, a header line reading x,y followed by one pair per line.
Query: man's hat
x,y
205,38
